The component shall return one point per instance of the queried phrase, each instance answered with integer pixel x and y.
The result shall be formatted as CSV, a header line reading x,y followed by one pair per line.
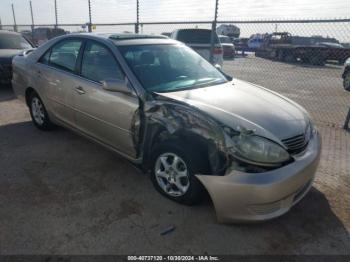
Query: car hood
x,y
6,55
240,104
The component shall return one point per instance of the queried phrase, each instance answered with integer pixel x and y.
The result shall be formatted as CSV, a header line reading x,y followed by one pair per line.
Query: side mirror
x,y
116,85
218,67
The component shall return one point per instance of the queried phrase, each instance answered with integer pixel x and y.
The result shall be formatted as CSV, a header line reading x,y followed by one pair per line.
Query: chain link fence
x,y
311,76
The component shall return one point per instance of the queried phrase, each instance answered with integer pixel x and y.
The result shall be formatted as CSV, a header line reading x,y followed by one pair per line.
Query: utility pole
x,y
14,19
137,17
213,32
56,21
0,24
90,20
31,13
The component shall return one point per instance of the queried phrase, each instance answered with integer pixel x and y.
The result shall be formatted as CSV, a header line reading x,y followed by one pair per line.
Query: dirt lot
x,y
318,88
61,194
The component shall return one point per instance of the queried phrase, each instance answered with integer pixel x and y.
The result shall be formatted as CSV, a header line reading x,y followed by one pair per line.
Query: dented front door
x,y
107,116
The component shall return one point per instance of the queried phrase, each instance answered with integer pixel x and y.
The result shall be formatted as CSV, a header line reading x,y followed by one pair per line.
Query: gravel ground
x,y
61,194
318,88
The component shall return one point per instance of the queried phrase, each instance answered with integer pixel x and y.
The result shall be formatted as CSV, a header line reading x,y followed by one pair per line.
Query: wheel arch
x,y
29,90
159,134
346,71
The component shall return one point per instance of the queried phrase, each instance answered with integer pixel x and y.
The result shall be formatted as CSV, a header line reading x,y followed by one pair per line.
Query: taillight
x,y
217,51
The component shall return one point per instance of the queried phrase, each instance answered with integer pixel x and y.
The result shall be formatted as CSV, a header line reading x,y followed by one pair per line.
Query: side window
x,y
64,54
99,64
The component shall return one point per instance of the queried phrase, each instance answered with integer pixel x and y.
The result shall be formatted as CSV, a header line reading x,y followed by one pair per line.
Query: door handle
x,y
80,90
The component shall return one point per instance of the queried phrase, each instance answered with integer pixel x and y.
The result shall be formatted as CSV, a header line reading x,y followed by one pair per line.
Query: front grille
x,y
296,144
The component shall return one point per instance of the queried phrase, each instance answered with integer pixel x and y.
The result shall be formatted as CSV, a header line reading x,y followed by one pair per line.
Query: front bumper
x,y
240,196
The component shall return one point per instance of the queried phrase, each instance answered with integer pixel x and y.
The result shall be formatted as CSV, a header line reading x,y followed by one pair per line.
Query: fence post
x,y
31,13
90,20
137,17
347,120
56,20
14,19
213,32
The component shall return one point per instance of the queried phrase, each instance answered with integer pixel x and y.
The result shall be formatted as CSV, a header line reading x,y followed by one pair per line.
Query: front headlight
x,y
258,150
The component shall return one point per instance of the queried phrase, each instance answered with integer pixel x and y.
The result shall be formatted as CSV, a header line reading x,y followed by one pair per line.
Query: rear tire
x,y
38,113
177,181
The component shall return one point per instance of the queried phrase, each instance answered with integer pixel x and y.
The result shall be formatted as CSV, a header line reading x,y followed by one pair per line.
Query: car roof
x,y
128,38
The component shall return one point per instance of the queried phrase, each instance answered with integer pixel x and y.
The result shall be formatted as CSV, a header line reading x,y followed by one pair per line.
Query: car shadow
x,y
311,222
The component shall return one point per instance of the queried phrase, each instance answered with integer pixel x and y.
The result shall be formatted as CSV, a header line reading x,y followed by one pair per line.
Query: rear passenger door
x,y
56,74
105,115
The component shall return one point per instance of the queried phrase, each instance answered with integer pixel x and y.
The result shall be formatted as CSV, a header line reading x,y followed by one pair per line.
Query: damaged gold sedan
x,y
162,106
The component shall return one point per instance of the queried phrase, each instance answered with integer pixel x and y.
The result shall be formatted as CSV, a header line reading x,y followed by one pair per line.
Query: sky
x,y
122,11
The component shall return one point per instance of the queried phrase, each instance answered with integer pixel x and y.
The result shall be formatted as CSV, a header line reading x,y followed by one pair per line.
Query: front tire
x,y
173,173
38,113
346,81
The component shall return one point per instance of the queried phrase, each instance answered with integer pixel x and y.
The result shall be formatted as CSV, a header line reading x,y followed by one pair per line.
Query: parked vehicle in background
x,y
255,42
200,41
330,44
161,105
228,30
166,34
315,50
41,35
27,34
227,46
346,75
11,44
241,45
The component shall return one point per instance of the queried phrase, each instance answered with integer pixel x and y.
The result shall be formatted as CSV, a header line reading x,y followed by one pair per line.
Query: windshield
x,y
168,68
13,41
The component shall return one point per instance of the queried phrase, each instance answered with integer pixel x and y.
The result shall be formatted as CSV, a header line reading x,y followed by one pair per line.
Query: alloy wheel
x,y
172,174
38,111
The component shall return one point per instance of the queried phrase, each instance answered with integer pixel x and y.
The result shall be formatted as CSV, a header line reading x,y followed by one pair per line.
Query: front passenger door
x,y
105,115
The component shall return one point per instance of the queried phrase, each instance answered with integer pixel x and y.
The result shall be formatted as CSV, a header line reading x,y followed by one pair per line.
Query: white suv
x,y
199,40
